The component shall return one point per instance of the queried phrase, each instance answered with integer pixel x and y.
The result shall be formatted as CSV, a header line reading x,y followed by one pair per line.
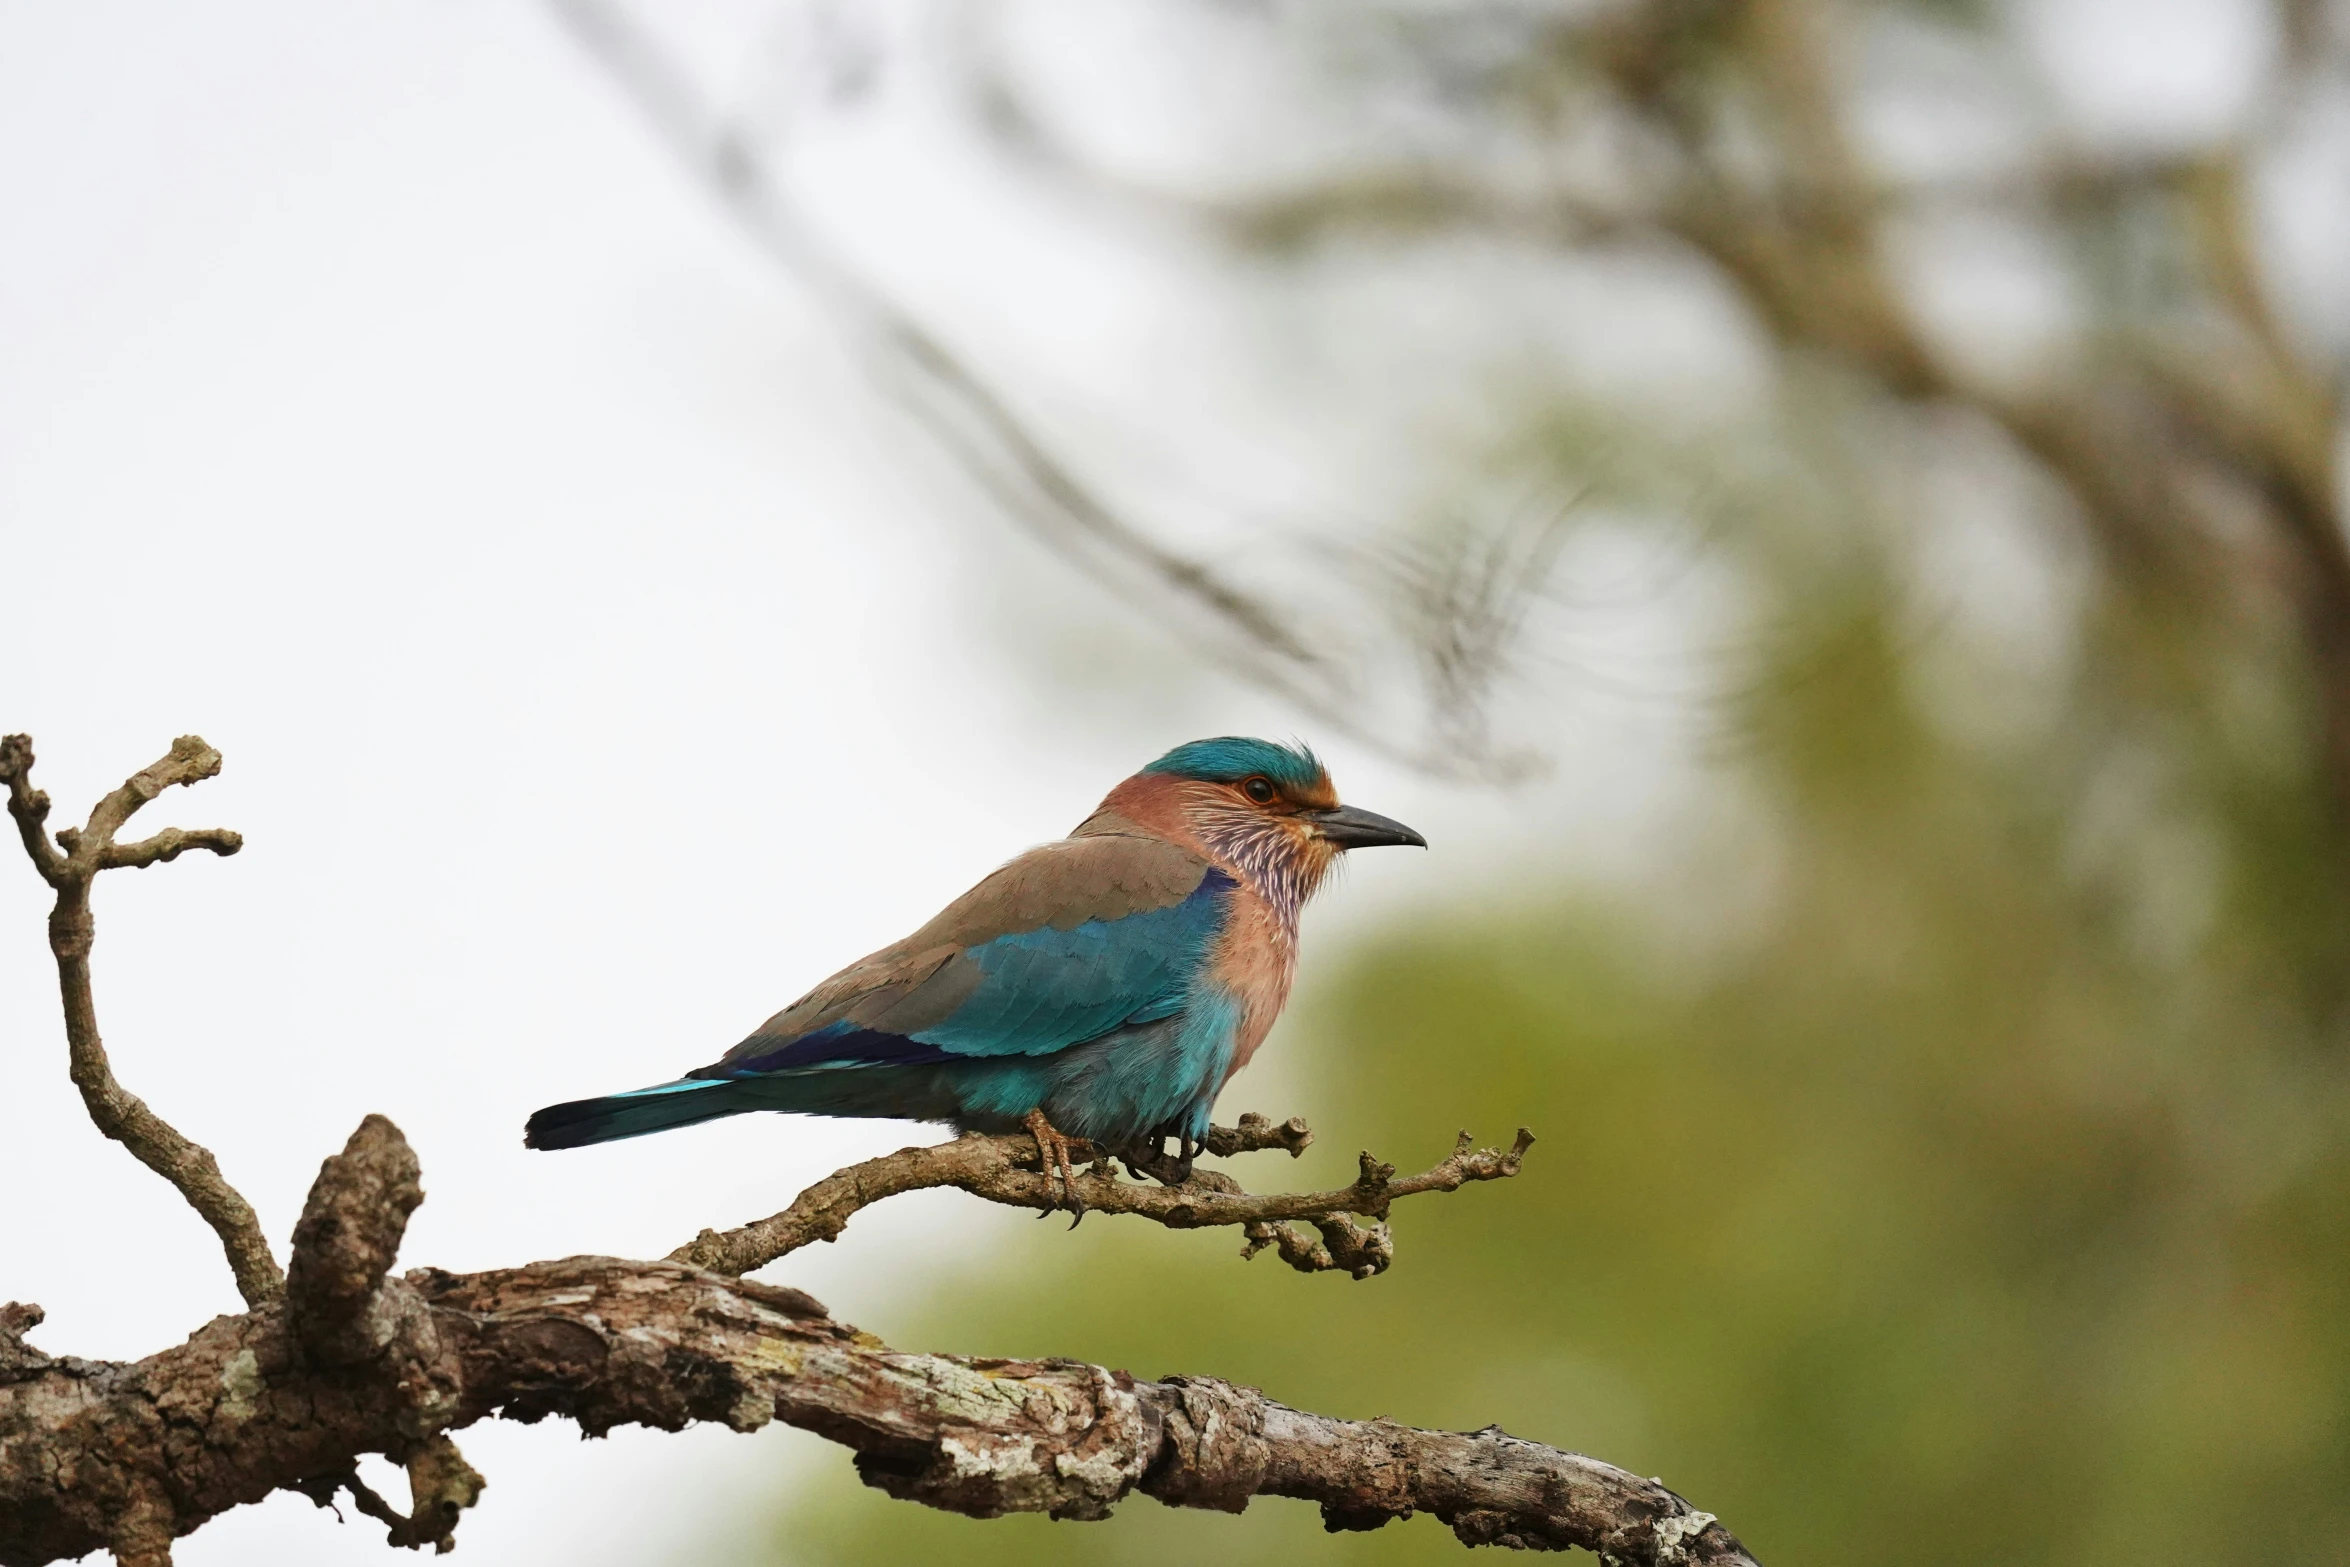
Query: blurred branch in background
x,y
1265,640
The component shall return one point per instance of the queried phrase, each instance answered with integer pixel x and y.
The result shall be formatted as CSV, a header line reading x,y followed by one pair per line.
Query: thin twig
x,y
70,865
1007,1170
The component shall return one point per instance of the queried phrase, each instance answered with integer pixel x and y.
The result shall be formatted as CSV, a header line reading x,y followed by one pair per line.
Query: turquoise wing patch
x,y
1044,990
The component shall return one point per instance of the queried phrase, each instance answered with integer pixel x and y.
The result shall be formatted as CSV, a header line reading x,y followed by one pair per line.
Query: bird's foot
x,y
1052,1155
1149,1158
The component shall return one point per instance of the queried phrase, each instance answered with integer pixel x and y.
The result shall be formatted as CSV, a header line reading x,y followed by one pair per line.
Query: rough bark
x,y
351,1360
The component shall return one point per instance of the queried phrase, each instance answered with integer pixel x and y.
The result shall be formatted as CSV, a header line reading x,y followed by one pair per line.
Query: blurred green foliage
x,y
1979,1196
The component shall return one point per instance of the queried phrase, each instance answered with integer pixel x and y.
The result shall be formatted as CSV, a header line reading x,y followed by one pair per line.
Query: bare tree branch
x,y
990,1167
129,1457
342,1317
30,807
119,1113
337,1358
169,844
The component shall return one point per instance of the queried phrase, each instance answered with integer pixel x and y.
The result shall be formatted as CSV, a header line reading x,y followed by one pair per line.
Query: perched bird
x,y
1102,987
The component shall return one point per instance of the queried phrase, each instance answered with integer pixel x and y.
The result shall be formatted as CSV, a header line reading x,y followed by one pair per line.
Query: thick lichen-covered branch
x,y
70,865
352,1360
1009,1170
344,1360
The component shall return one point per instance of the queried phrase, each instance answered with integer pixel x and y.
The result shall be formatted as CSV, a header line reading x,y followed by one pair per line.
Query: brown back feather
x,y
920,981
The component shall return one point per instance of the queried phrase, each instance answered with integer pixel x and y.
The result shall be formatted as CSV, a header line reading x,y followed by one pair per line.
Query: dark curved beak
x,y
1352,828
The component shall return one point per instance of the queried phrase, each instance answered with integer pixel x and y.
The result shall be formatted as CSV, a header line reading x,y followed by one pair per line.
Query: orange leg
x,y
1052,1152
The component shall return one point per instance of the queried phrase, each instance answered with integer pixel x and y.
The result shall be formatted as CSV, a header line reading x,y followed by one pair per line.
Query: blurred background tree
x,y
1944,1136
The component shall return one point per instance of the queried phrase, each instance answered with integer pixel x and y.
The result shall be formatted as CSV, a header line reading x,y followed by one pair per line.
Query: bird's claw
x,y
1149,1158
1052,1155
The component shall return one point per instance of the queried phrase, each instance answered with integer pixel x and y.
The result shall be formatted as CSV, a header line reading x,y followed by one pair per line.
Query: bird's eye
x,y
1259,789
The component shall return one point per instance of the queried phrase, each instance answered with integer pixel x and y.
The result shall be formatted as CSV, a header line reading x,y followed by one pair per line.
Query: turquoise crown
x,y
1230,758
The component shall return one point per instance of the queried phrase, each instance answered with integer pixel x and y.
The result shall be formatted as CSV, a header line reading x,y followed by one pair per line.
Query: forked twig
x,y
70,865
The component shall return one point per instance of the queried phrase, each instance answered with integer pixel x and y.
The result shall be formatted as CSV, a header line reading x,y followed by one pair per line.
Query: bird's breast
x,y
1255,960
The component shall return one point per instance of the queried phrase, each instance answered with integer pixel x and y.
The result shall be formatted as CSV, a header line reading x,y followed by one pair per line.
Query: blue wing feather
x,y
1041,991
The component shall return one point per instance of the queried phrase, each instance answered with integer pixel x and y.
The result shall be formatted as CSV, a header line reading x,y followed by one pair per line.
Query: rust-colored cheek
x,y
1312,851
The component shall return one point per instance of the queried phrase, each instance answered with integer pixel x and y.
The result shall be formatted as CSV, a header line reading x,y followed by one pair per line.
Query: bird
x,y
1103,987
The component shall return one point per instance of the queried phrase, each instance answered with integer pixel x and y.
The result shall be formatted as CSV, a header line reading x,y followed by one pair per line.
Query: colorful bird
x,y
1102,987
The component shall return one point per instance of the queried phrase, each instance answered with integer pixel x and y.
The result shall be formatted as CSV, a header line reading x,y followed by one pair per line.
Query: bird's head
x,y
1266,810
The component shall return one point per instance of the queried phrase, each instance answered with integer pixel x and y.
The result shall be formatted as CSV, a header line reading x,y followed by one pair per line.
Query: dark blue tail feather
x,y
841,1088
580,1122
